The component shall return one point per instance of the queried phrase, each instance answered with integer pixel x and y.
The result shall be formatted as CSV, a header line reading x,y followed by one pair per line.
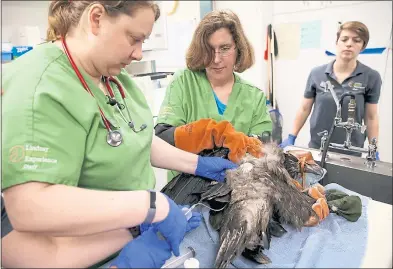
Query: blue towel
x,y
334,243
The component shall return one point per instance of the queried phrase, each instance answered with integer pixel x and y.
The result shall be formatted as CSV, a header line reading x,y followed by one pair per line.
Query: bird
x,y
250,206
260,187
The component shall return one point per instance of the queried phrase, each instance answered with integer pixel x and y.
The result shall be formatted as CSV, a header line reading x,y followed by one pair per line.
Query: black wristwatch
x,y
151,213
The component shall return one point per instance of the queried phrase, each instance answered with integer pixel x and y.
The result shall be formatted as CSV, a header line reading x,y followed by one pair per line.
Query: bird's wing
x,y
186,189
241,228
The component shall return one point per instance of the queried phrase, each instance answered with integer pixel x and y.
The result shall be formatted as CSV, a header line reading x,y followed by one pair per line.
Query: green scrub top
x,y
190,97
53,131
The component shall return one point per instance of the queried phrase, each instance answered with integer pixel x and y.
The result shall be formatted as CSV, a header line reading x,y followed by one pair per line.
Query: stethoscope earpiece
x,y
132,126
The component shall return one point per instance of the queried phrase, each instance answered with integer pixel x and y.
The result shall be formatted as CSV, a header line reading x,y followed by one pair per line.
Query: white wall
x,y
180,28
16,14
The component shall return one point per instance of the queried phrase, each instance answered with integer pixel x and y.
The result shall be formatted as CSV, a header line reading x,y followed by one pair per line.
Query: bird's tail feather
x,y
231,242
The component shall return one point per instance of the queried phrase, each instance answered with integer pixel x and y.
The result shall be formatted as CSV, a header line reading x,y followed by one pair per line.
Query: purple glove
x,y
213,167
290,141
146,251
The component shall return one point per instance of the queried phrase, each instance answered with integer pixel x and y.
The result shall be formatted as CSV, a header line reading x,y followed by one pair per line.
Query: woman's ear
x,y
95,15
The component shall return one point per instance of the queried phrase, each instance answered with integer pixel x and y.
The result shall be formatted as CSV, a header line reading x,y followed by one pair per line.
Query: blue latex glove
x,y
377,156
213,167
290,141
146,251
192,223
173,227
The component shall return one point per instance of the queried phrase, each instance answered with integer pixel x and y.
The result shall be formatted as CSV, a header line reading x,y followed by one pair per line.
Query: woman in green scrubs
x,y
69,195
209,87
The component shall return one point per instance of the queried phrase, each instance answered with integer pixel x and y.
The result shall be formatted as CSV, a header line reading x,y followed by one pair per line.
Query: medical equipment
x,y
114,138
189,211
175,262
112,101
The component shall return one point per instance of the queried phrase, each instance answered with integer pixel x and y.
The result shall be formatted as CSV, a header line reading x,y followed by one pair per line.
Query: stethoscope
x,y
114,138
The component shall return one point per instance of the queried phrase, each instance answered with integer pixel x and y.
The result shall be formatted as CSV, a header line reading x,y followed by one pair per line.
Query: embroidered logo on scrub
x,y
355,85
326,85
17,154
31,155
166,111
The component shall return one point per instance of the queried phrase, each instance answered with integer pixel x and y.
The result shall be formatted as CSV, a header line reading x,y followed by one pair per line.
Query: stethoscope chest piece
x,y
114,138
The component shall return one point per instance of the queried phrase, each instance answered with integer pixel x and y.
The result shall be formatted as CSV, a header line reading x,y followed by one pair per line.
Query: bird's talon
x,y
297,184
313,221
321,208
315,193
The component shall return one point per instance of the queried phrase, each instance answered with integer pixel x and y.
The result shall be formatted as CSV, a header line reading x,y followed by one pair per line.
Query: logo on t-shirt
x,y
356,85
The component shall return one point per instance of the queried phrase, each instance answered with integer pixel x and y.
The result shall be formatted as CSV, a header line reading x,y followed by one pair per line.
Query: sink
x,y
352,173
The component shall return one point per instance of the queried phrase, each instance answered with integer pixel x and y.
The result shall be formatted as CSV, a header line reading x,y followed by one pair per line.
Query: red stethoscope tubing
x,y
82,80
109,88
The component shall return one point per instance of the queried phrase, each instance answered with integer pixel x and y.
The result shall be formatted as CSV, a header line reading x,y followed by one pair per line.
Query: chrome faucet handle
x,y
323,133
324,137
374,141
363,128
372,153
373,146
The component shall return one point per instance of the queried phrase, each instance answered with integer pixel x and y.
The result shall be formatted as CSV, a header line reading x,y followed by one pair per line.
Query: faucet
x,y
371,153
349,126
325,135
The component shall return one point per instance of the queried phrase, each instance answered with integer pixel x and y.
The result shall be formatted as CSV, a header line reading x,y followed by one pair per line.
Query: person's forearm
x,y
59,210
28,250
300,119
372,129
163,155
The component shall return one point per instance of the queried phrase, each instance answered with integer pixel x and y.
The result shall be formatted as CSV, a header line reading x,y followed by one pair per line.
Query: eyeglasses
x,y
225,51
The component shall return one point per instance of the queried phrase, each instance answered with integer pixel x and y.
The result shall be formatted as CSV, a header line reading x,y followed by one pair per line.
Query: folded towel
x,y
335,242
